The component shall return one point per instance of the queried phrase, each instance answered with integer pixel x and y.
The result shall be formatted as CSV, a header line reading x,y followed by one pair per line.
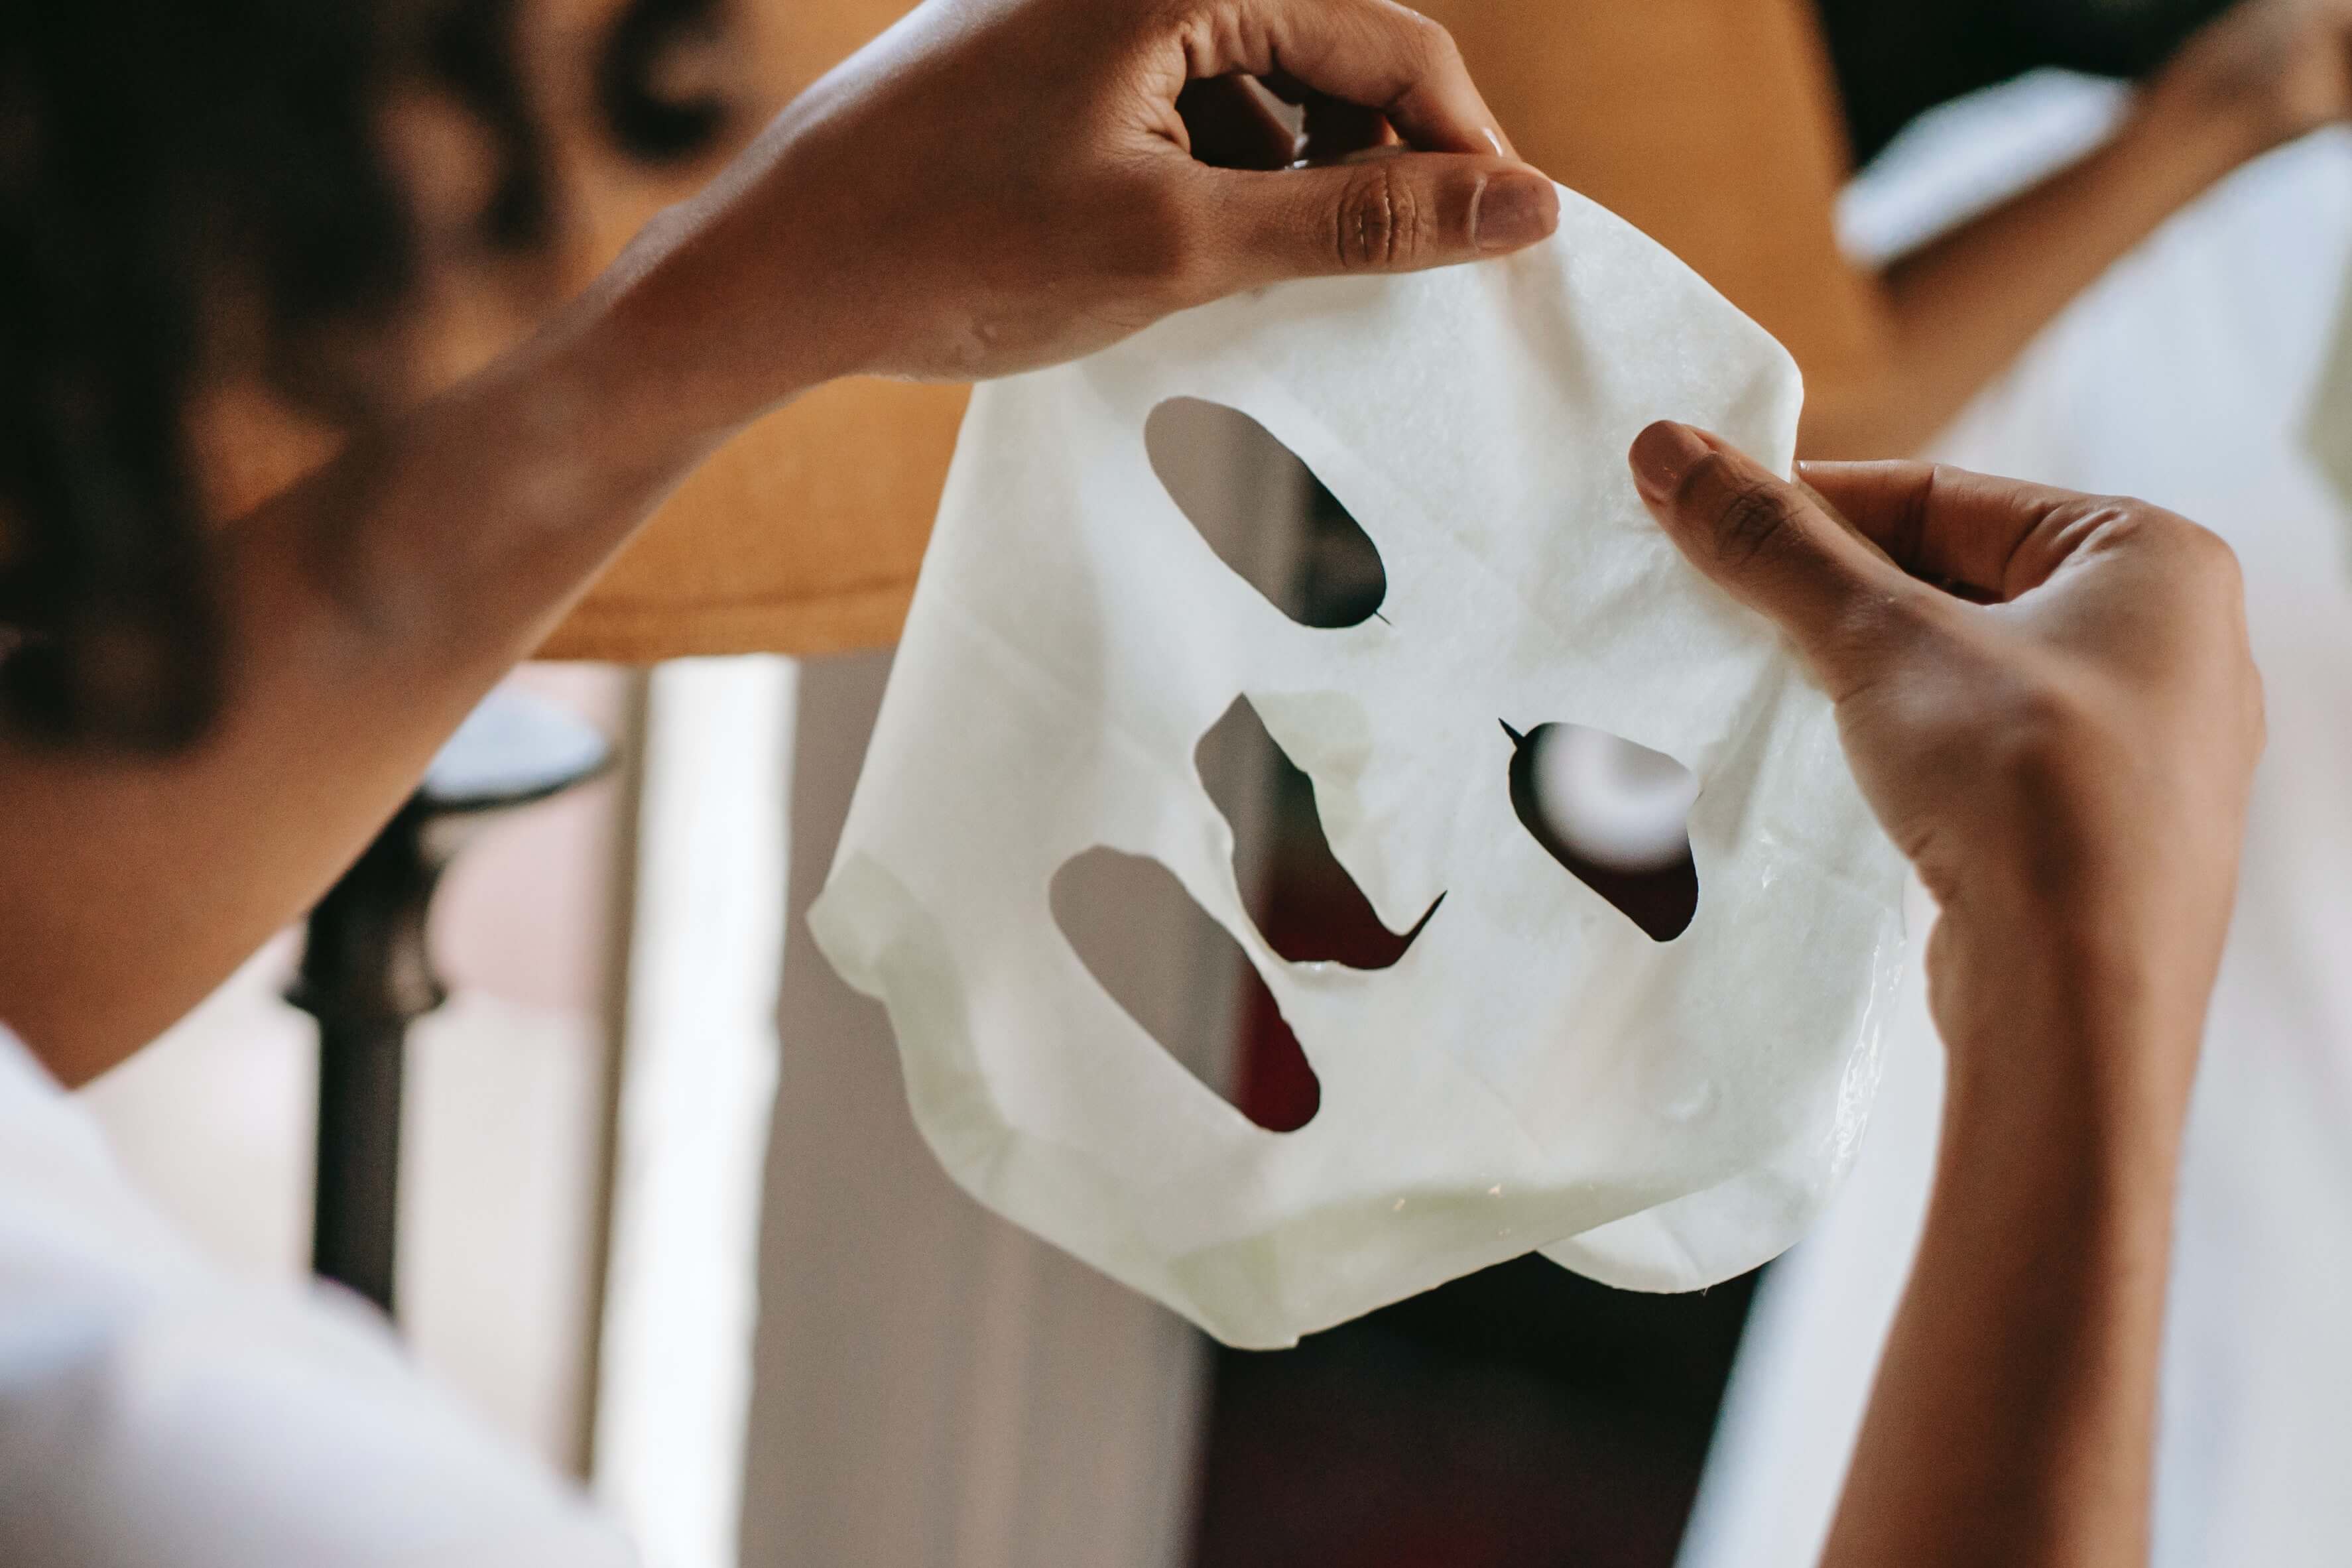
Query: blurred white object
x,y
2182,377
154,1413
1616,803
1967,156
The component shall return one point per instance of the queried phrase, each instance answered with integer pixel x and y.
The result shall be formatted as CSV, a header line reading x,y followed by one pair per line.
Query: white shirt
x,y
154,1411
2182,378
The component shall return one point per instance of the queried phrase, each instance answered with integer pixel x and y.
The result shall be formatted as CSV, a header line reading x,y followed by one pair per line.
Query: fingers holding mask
x,y
1372,54
1979,535
1397,213
2106,704
997,185
1407,167
1776,547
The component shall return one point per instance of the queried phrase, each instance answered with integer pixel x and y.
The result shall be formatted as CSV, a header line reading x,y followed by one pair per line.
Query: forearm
x,y
368,608
1959,310
2050,704
982,190
2014,1416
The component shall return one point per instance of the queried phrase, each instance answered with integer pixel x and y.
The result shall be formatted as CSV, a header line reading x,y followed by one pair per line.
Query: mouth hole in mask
x,y
1616,814
1304,903
1185,982
1245,494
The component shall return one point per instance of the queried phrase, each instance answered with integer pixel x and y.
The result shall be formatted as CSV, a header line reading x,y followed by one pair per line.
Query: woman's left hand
x,y
2278,69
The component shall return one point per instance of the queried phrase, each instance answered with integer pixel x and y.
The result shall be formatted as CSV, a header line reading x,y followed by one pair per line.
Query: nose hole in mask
x,y
1246,493
1186,982
1615,814
1302,899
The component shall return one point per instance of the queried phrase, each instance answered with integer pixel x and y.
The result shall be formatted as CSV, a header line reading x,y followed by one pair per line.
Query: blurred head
x,y
198,191
188,188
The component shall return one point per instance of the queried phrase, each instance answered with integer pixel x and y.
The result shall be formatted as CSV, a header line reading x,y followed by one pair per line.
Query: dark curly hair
x,y
163,162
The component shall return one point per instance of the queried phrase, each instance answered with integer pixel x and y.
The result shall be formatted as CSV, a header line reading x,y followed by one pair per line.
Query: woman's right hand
x,y
2048,699
994,185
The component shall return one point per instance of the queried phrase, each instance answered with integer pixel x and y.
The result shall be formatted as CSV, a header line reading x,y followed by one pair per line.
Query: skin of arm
x,y
1956,312
992,185
2049,701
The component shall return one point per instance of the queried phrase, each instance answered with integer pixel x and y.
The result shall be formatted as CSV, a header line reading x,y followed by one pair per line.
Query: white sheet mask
x,y
1535,1071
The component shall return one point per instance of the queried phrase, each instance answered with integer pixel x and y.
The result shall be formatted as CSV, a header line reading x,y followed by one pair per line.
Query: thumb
x,y
1397,213
1775,547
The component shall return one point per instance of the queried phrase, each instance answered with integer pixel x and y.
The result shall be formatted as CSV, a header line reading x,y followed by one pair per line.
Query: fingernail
x,y
1513,210
1661,454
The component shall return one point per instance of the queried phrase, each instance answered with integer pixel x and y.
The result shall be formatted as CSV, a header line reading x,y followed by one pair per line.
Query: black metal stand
x,y
367,972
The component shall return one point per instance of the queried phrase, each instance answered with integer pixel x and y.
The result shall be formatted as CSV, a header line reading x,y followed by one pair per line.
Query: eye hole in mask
x,y
1183,978
1243,491
1615,814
